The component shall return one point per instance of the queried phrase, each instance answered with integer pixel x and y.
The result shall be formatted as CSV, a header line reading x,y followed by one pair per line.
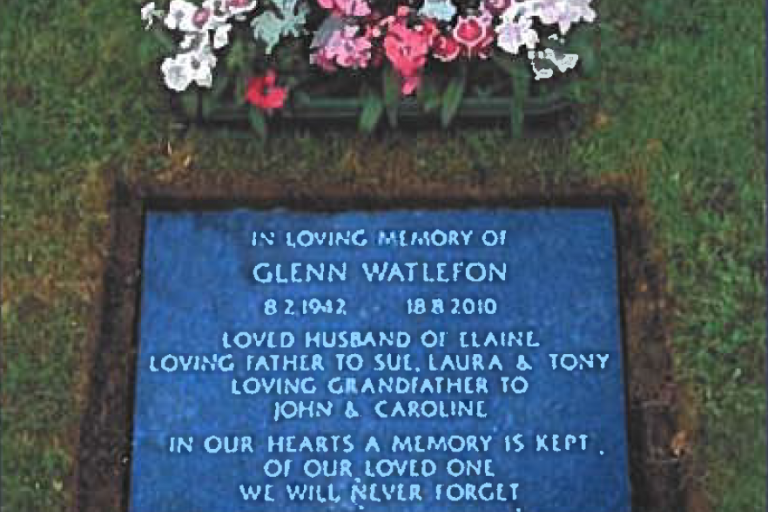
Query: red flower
x,y
407,50
474,35
264,94
430,30
446,48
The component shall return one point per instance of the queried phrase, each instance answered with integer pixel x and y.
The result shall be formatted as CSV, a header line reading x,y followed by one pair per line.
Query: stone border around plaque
x,y
654,401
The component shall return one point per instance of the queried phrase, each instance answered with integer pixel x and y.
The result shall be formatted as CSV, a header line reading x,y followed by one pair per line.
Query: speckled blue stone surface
x,y
197,283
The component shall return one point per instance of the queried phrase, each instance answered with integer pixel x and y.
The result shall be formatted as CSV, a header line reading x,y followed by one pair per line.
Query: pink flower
x,y
407,50
264,94
347,49
474,35
357,8
446,48
400,16
403,11
321,59
496,7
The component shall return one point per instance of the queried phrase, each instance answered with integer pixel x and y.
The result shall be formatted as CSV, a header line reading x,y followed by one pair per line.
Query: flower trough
x,y
369,60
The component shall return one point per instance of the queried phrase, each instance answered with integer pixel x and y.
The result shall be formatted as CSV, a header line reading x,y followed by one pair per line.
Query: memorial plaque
x,y
434,360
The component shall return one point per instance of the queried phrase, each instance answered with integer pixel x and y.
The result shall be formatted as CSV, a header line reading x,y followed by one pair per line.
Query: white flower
x,y
191,41
203,61
584,10
240,7
149,13
177,72
514,34
180,15
203,76
220,12
192,66
187,17
440,10
521,9
147,10
221,36
564,13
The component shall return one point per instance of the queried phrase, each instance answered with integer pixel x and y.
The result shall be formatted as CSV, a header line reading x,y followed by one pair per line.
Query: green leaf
x,y
516,119
373,107
237,58
515,67
211,99
207,105
240,88
521,80
583,43
165,40
521,90
452,97
521,76
258,122
576,92
220,85
190,102
148,51
429,95
587,58
503,61
391,94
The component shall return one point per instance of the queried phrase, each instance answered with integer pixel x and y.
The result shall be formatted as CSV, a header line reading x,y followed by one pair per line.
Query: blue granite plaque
x,y
540,394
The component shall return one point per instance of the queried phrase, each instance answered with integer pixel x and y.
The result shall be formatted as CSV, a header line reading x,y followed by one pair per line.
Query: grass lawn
x,y
682,111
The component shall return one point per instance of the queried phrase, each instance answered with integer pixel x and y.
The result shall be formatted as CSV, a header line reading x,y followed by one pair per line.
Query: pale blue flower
x,y
440,10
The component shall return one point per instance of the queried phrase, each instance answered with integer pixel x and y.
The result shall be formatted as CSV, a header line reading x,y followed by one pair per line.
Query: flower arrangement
x,y
275,52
